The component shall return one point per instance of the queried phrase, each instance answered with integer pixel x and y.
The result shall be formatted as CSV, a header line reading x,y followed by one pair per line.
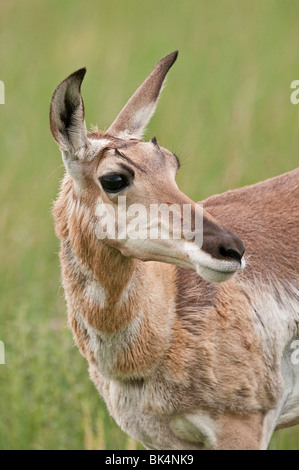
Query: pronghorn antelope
x,y
182,359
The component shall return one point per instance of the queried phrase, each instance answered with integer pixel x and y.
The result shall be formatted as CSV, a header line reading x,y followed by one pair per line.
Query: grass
x,y
226,112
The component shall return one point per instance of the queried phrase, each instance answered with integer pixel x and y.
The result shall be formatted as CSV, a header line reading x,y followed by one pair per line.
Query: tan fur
x,y
240,433
182,362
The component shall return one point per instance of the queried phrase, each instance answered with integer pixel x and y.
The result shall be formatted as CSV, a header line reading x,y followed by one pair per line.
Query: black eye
x,y
113,182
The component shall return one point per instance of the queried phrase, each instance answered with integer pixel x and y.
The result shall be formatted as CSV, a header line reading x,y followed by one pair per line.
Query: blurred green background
x,y
226,112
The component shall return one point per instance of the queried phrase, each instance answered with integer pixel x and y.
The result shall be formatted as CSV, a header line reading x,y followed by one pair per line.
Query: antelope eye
x,y
114,182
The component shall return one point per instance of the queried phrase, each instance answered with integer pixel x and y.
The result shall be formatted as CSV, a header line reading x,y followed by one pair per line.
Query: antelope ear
x,y
67,121
132,120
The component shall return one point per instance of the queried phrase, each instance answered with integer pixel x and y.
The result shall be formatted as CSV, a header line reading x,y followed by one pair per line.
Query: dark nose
x,y
232,247
220,243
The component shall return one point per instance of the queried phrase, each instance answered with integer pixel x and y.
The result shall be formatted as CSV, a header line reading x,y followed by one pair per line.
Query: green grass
x,y
226,112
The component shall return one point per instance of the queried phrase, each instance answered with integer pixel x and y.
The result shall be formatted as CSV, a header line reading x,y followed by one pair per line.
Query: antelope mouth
x,y
213,275
213,269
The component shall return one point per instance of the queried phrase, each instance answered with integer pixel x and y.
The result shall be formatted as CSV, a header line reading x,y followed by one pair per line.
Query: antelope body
x,y
182,359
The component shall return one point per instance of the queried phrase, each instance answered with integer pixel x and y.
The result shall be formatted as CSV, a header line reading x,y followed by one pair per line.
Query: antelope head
x,y
117,170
